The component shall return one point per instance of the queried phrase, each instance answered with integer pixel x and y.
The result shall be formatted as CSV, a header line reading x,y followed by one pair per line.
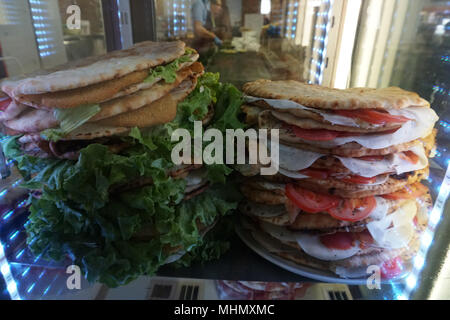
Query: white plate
x,y
304,271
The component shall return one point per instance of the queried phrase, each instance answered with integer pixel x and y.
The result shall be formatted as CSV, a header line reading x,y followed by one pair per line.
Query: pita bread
x,y
96,93
90,131
161,111
113,65
306,123
348,150
315,96
363,126
144,97
352,190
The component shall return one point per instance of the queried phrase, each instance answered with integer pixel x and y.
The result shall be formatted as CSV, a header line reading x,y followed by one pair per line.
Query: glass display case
x,y
334,43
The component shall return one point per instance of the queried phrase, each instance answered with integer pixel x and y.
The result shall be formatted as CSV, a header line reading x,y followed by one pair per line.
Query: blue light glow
x,y
30,288
13,235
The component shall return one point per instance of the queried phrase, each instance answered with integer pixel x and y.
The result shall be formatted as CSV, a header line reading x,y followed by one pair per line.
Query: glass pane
x,y
39,34
250,40
407,44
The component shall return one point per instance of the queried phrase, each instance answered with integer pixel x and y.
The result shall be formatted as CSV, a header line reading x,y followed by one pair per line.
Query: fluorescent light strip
x,y
11,285
427,238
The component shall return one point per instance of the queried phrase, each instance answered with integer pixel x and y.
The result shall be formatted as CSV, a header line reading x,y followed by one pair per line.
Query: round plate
x,y
304,271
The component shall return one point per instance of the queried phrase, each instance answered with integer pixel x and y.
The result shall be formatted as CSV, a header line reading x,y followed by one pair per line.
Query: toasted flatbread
x,y
90,131
94,70
349,190
352,190
161,111
304,114
144,97
306,123
320,97
96,93
349,150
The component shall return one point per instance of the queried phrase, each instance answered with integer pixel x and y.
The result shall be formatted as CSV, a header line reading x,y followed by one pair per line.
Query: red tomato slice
x,y
4,103
353,209
372,116
409,156
360,179
309,201
315,173
338,240
314,134
412,191
371,158
391,268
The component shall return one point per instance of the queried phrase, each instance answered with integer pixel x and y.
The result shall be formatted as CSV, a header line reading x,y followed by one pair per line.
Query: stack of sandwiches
x,y
347,194
92,140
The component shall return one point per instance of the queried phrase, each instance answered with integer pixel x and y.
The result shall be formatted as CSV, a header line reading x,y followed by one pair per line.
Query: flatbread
x,y
315,96
348,150
113,65
90,131
96,93
353,190
306,123
161,111
144,97
308,114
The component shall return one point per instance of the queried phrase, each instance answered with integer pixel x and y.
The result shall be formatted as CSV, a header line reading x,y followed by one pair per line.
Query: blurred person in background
x,y
211,25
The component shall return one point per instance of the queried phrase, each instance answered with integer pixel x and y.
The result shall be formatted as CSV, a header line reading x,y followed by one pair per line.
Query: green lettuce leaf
x,y
116,236
169,71
69,120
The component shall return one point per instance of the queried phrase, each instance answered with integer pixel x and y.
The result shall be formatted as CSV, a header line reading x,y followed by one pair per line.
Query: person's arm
x,y
201,32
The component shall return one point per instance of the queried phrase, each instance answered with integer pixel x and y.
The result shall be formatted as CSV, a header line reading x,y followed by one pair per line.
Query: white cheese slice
x,y
309,243
294,159
312,245
381,209
391,163
395,230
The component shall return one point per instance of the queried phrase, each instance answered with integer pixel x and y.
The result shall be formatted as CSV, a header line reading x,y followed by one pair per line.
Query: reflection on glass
x,y
34,34
246,40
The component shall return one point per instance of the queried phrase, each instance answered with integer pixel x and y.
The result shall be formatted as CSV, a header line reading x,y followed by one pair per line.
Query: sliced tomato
x,y
409,156
391,268
315,173
353,209
338,240
371,158
412,191
315,134
360,179
4,103
372,116
309,201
